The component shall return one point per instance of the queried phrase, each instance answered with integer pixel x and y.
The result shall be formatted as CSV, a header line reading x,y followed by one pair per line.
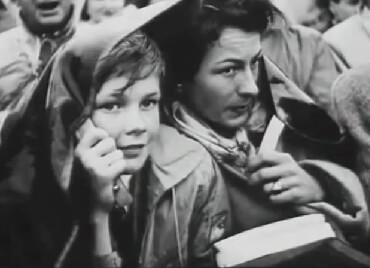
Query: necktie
x,y
46,51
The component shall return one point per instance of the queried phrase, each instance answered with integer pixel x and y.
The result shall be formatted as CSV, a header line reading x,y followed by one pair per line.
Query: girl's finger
x,y
105,146
117,168
92,137
112,157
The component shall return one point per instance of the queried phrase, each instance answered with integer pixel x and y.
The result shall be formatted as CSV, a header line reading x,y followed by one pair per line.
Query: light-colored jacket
x,y
302,54
351,39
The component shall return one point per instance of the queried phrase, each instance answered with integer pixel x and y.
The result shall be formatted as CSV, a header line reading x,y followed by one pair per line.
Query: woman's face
x,y
100,10
131,117
224,89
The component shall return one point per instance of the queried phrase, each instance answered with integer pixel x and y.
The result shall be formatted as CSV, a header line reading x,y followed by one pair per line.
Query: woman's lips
x,y
240,109
132,151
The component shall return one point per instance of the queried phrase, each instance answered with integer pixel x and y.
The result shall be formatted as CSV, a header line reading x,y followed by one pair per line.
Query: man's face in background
x,y
343,9
45,15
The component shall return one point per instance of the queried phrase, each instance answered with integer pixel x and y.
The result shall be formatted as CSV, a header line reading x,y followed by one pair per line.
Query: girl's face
x,y
131,116
100,10
224,89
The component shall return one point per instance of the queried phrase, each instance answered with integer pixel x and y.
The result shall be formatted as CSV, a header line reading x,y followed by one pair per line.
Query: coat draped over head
x,y
37,140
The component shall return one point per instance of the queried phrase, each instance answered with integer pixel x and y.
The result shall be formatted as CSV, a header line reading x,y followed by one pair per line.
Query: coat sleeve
x,y
346,203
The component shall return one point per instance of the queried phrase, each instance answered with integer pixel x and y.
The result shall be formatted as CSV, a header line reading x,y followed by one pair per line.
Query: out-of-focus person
x,y
351,38
7,19
351,101
95,11
343,9
311,13
303,55
26,49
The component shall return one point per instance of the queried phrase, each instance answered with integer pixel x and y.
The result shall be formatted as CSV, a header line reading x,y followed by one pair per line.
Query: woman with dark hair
x,y
222,92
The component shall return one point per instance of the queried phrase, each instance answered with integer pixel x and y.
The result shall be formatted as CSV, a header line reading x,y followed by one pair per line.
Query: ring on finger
x,y
277,186
116,187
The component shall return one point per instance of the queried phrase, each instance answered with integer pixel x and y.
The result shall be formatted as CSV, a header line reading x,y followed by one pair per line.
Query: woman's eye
x,y
149,104
254,64
230,71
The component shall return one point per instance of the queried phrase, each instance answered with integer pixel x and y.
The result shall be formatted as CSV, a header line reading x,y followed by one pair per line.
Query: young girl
x,y
93,189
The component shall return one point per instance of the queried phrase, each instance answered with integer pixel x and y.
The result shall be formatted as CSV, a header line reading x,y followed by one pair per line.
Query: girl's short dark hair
x,y
136,55
186,50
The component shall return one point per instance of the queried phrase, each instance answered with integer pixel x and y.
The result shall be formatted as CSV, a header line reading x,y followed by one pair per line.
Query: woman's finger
x,y
267,174
290,195
269,158
280,185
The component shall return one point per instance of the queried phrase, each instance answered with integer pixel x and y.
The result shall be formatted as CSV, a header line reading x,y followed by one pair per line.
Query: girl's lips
x,y
132,151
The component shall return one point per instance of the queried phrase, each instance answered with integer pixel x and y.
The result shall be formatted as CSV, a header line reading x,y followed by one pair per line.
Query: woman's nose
x,y
247,84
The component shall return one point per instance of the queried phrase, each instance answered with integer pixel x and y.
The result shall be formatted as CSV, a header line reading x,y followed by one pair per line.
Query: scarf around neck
x,y
235,151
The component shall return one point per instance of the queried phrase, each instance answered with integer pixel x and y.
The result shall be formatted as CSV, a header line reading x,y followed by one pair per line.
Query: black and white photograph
x,y
184,133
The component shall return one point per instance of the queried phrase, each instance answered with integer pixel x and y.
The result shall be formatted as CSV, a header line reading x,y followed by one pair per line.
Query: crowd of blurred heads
x,y
317,14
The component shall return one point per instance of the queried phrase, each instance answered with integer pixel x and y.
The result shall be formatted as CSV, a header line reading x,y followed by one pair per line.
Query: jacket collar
x,y
297,110
174,156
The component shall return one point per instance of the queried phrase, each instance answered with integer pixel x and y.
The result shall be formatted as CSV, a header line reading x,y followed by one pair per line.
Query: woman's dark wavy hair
x,y
185,52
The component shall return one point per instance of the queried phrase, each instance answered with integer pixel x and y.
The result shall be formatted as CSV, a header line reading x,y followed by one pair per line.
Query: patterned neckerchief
x,y
235,151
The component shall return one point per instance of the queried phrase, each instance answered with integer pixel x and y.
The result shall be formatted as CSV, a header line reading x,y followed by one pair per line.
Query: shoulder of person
x,y
10,36
8,45
304,37
307,34
353,84
177,156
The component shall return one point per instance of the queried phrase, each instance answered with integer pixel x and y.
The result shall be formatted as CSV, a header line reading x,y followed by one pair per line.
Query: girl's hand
x,y
283,179
99,156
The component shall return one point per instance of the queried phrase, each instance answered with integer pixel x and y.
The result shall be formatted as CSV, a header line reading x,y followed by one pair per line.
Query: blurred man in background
x,y
25,50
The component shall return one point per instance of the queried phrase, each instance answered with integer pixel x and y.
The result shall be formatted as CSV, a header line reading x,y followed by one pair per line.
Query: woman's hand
x,y
283,179
99,156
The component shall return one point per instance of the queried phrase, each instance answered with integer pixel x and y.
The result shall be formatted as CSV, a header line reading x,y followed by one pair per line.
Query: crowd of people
x,y
130,131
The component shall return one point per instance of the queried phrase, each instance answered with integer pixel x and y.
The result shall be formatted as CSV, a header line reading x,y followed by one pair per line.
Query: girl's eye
x,y
110,107
149,104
